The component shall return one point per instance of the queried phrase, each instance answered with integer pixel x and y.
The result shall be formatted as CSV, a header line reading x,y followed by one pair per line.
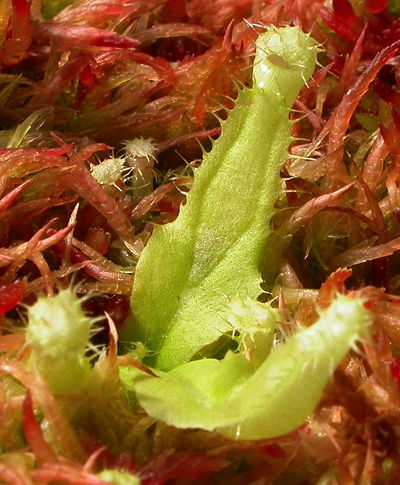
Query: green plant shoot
x,y
215,248
199,277
58,332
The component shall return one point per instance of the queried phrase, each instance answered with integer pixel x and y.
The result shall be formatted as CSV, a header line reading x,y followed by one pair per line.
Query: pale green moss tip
x,y
58,324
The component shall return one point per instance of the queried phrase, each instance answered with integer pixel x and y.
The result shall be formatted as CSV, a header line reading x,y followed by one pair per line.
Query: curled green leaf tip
x,y
285,59
231,397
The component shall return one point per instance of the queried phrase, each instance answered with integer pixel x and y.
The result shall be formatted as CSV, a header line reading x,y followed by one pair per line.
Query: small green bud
x,y
58,332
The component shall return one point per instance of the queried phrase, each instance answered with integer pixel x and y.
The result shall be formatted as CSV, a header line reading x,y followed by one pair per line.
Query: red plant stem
x,y
8,476
63,433
8,199
12,341
33,434
98,272
65,474
18,41
337,125
372,170
10,296
377,216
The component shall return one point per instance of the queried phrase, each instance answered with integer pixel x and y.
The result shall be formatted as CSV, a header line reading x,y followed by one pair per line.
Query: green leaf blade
x,y
215,248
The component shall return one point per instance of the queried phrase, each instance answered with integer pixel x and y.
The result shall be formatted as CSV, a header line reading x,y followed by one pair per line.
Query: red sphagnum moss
x,y
80,78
